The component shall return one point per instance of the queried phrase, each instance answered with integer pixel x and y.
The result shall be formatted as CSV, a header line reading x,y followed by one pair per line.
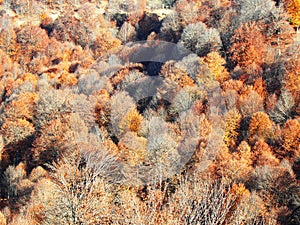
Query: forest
x,y
158,112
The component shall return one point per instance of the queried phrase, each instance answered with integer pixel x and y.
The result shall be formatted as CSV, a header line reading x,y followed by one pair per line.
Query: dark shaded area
x,y
120,18
149,23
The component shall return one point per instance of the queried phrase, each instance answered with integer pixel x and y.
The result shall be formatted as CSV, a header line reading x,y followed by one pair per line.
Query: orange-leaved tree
x,y
248,47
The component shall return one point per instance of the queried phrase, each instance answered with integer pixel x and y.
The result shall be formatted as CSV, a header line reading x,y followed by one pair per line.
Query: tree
x,y
254,10
123,114
200,39
263,155
236,167
76,193
232,124
127,33
133,149
8,36
52,104
291,80
171,27
293,7
33,41
284,108
22,107
248,47
16,130
260,126
170,71
131,121
104,43
68,28
13,177
216,63
250,103
272,184
291,137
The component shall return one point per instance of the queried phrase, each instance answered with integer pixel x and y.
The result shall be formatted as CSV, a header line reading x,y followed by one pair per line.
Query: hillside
x,y
150,112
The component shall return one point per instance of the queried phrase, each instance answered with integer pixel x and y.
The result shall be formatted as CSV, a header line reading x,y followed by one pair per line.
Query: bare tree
x,y
200,39
284,108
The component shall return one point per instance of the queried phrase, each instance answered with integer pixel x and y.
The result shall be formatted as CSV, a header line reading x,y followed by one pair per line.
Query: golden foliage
x,y
2,217
293,7
131,121
232,124
23,106
216,63
68,79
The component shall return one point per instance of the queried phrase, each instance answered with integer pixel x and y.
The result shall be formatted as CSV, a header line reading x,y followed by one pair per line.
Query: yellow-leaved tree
x,y
216,63
293,7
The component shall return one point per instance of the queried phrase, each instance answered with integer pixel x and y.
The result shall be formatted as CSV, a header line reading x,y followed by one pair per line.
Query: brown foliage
x,y
33,41
104,43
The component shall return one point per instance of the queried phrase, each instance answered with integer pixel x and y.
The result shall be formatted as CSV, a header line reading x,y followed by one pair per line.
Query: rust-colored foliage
x,y
232,84
260,126
235,166
249,47
260,87
102,107
292,79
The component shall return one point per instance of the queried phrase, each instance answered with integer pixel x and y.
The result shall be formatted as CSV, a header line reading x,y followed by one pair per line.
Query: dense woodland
x,y
76,147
